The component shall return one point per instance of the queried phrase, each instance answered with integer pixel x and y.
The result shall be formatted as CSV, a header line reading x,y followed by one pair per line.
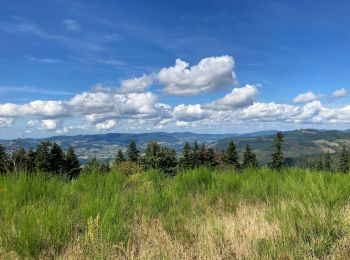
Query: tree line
x,y
50,158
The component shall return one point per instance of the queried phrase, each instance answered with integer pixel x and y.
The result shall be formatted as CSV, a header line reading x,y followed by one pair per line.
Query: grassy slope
x,y
200,213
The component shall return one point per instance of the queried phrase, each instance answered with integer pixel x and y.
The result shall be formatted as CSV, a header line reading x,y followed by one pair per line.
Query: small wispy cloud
x,y
339,93
24,26
26,89
71,25
41,60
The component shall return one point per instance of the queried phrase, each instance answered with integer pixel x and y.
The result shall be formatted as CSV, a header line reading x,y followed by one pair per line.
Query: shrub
x,y
128,168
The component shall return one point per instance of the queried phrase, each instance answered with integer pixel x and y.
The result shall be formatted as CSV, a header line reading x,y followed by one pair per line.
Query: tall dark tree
x,y
42,158
71,163
195,156
56,159
327,165
249,158
231,157
319,166
160,158
3,159
344,160
202,154
185,160
120,158
210,158
132,152
31,154
277,156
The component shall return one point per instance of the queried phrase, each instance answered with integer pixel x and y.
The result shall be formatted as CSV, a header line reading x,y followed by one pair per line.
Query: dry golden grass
x,y
216,237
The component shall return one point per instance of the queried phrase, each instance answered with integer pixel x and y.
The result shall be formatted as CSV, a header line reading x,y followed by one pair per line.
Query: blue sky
x,y
70,67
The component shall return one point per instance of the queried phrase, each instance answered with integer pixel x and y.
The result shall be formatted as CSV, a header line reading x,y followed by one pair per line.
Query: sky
x,y
235,66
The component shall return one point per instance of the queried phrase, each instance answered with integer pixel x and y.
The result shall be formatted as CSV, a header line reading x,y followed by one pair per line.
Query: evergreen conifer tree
x,y
230,156
56,159
277,156
195,156
3,159
327,166
185,160
344,160
133,153
71,163
30,162
202,154
160,158
120,158
249,158
210,158
42,158
319,164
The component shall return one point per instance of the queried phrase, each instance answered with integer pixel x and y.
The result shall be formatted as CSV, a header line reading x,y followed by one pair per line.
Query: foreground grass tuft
x,y
197,214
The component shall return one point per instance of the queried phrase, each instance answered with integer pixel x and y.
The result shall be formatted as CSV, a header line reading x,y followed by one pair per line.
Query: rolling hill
x,y
298,144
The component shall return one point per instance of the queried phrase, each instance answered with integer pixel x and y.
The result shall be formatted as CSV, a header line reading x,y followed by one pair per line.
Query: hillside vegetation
x,y
199,213
299,144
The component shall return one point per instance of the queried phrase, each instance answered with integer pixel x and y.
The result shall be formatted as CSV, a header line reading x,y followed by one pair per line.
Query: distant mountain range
x,y
298,144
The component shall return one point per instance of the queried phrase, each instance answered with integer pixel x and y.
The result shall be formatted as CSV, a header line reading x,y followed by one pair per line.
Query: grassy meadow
x,y
198,214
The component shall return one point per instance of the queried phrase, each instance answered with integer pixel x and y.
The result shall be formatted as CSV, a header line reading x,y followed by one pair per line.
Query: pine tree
x,y
249,158
230,156
344,160
327,162
277,156
42,158
3,159
319,164
120,158
133,153
195,157
30,162
56,159
202,154
210,158
185,160
159,158
71,164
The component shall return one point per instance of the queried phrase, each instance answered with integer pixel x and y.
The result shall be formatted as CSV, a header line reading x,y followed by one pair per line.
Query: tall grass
x,y
198,213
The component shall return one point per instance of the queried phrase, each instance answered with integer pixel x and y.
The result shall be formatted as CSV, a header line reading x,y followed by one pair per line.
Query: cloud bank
x,y
136,104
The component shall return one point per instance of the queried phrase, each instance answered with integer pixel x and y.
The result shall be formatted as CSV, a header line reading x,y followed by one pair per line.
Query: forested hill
x,y
104,146
298,144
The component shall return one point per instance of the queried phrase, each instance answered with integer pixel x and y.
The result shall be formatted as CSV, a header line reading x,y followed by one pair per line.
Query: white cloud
x,y
135,108
189,112
136,85
32,123
239,97
71,25
339,93
106,125
182,123
305,97
35,108
6,122
49,124
210,74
